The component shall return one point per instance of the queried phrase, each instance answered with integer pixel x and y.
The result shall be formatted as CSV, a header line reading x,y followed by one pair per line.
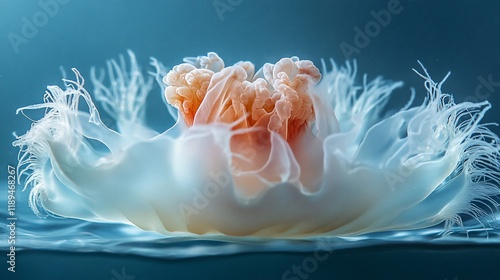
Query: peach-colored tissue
x,y
278,99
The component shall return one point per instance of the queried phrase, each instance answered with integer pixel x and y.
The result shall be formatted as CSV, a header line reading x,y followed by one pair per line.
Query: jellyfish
x,y
284,151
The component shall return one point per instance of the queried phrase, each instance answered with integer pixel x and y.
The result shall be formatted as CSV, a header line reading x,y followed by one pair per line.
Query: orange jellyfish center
x,y
276,99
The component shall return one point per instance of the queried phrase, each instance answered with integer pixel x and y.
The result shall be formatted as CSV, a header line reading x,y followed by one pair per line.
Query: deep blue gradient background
x,y
460,36
415,262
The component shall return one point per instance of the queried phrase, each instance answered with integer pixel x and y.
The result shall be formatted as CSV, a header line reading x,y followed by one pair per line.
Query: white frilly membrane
x,y
281,152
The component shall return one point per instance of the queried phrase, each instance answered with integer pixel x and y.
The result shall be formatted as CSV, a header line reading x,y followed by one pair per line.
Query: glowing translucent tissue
x,y
282,151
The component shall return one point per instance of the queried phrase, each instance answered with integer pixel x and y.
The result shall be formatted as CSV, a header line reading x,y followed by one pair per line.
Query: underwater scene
x,y
237,139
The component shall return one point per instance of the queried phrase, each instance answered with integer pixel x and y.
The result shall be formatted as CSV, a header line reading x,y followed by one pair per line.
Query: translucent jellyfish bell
x,y
282,151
